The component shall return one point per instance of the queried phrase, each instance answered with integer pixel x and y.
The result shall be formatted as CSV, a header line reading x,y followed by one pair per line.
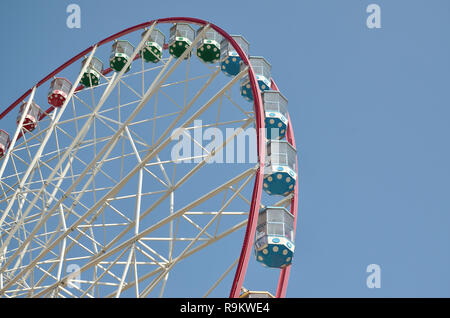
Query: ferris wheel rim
x,y
261,140
124,32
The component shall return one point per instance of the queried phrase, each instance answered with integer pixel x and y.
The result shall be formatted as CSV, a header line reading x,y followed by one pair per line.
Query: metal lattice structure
x,y
93,202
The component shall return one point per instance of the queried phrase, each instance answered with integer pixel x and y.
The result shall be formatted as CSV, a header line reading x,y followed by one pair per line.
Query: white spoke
x,y
95,200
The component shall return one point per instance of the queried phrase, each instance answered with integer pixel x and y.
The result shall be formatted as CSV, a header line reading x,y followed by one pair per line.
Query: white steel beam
x,y
16,134
105,254
153,88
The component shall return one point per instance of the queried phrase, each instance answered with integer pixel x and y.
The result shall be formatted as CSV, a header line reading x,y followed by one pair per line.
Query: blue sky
x,y
369,109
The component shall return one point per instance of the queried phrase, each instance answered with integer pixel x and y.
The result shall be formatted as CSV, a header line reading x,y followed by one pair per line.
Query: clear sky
x,y
370,110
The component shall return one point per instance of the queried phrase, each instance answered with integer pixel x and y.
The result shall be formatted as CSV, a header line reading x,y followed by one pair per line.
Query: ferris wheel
x,y
108,188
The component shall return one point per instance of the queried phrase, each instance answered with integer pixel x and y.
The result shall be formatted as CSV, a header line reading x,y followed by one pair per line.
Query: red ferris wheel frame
x,y
261,142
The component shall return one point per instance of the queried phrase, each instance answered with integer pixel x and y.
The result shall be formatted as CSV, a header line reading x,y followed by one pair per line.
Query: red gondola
x,y
59,90
31,118
4,142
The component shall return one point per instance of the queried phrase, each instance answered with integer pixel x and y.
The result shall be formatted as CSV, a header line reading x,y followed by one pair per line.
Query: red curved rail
x,y
259,119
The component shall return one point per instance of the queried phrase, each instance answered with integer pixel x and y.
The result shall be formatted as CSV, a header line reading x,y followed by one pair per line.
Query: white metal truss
x,y
94,184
